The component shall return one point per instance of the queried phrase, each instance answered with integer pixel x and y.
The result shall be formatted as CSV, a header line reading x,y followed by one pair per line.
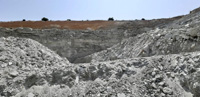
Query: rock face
x,y
181,36
162,62
74,44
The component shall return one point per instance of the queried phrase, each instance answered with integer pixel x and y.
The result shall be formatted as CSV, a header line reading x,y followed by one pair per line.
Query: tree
x,y
143,19
24,20
111,19
45,19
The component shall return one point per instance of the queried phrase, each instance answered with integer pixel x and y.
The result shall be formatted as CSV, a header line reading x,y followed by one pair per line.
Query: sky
x,y
16,10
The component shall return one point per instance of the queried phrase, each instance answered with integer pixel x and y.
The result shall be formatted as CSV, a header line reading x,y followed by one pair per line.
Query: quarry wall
x,y
74,44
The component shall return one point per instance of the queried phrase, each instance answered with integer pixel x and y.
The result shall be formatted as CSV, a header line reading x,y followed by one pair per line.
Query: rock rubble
x,y
164,62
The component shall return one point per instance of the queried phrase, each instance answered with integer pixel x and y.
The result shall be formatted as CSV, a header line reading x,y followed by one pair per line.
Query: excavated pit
x,y
155,58
76,44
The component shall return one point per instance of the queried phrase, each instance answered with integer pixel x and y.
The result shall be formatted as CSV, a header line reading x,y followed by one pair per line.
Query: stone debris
x,y
31,95
136,76
121,95
14,73
167,90
157,63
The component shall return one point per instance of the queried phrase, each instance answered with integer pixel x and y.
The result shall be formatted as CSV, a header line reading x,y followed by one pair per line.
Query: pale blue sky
x,y
12,10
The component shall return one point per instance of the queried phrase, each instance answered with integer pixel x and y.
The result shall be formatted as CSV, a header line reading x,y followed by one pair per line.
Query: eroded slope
x,y
181,36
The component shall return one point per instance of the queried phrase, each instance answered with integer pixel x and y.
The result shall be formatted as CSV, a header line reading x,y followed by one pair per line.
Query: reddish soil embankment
x,y
78,25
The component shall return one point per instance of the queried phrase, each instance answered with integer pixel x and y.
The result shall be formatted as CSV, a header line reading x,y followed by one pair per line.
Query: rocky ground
x,y
161,62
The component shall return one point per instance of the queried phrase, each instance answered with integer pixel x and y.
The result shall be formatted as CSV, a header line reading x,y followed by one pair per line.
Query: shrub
x,y
111,19
23,20
45,19
143,19
68,19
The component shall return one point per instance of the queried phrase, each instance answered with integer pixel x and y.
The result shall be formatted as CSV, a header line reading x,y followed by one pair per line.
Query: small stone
x,y
153,85
98,95
152,95
10,63
158,35
162,95
153,79
168,73
161,83
195,85
109,89
3,65
158,78
153,73
14,73
193,45
187,25
172,75
31,95
160,67
121,95
155,69
163,52
77,79
167,90
168,51
127,90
